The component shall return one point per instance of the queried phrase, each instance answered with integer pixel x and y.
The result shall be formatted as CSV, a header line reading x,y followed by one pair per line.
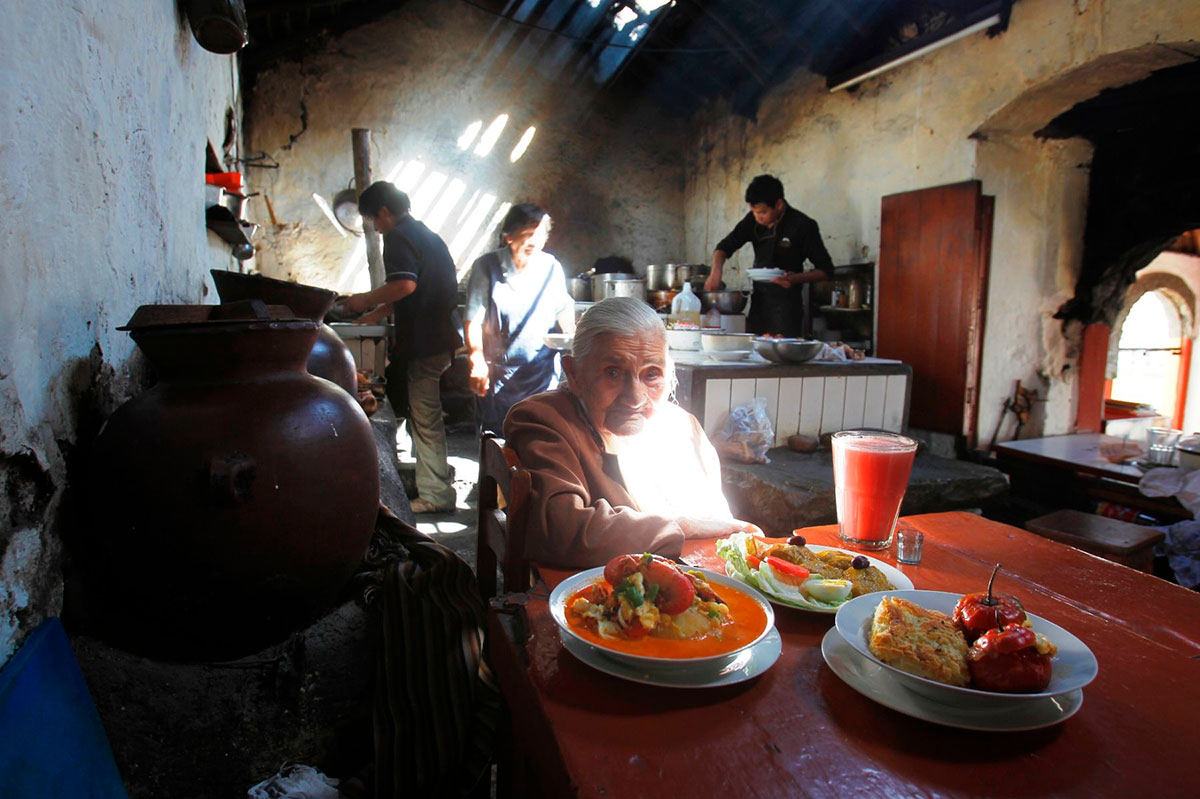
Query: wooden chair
x,y
503,510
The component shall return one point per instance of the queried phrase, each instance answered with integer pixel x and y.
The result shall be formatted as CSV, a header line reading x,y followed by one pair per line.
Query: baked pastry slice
x,y
919,641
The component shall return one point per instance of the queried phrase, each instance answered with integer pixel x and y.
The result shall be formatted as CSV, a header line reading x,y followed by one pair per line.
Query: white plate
x,y
728,355
877,683
1074,667
644,663
763,274
745,665
897,578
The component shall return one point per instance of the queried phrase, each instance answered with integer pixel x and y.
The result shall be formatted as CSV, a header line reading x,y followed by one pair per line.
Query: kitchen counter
x,y
812,398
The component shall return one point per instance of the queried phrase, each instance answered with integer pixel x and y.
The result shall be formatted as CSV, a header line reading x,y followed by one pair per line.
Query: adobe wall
x,y
968,110
610,173
107,107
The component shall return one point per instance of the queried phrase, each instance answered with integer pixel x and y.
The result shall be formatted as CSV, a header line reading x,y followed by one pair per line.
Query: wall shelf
x,y
236,232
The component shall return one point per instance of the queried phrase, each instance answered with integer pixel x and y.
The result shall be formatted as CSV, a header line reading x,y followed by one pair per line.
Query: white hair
x,y
620,316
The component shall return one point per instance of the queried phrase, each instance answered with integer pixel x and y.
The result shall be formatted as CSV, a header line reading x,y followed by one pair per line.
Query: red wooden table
x,y
798,730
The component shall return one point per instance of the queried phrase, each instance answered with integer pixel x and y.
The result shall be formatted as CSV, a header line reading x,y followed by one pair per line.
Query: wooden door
x,y
934,251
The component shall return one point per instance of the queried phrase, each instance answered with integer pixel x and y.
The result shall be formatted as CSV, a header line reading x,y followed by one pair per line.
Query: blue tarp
x,y
52,743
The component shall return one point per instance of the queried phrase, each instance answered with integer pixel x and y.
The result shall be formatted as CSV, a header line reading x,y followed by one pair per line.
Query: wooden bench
x,y
1129,544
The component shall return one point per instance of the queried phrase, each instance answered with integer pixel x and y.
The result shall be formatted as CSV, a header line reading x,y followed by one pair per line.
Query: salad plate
x,y
874,681
738,568
1074,667
563,592
744,665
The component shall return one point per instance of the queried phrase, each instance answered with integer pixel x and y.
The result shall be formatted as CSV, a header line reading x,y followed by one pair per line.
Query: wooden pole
x,y
360,142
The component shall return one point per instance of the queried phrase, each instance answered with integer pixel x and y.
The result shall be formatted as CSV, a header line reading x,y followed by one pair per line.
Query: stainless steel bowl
x,y
766,348
798,351
727,302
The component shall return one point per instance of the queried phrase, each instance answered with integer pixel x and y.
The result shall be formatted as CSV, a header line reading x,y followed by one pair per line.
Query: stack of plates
x,y
763,275
700,672
846,651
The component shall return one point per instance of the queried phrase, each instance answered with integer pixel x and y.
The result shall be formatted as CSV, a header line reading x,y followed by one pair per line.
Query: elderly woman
x,y
616,466
515,296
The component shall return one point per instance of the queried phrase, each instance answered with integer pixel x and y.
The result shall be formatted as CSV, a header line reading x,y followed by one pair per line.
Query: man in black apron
x,y
783,238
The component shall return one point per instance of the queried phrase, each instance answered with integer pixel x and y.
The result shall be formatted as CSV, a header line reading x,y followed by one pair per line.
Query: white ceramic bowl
x,y
560,342
711,342
1074,667
572,585
683,339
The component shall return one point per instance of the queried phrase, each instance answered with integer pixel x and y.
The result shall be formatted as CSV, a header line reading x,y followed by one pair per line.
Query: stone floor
x,y
456,530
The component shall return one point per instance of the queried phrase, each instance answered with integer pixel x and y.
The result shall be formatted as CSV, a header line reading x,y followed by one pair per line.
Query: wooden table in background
x,y
798,730
1069,471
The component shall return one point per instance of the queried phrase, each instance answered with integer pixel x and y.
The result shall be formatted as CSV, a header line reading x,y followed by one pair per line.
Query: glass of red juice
x,y
870,475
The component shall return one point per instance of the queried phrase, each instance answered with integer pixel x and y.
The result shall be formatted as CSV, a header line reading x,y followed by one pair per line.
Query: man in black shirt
x,y
423,291
783,238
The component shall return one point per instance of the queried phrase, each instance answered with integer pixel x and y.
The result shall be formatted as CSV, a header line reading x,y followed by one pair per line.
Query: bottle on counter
x,y
854,294
712,318
685,309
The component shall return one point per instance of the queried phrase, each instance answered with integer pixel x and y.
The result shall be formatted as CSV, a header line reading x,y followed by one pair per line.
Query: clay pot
x,y
330,357
230,503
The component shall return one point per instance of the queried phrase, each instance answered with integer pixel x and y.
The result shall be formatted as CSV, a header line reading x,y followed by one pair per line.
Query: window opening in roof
x,y
488,140
523,144
468,136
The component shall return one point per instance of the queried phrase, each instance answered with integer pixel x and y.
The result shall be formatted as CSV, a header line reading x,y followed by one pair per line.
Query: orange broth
x,y
748,622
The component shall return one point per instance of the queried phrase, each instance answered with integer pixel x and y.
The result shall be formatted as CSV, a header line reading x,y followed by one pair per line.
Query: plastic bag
x,y
747,434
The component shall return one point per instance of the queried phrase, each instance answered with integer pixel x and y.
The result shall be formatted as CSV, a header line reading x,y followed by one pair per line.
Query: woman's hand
x,y
715,528
479,379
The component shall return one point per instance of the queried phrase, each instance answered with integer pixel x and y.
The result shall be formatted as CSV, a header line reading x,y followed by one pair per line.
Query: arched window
x,y
1148,355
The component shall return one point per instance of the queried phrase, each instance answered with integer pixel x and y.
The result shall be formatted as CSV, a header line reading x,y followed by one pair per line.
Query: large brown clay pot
x,y
330,357
231,502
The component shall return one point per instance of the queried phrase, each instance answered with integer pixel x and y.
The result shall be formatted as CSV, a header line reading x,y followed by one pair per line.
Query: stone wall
x,y
107,107
610,172
968,110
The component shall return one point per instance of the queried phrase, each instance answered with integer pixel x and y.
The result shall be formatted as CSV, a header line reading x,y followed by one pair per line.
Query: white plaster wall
x,y
105,107
610,173
839,154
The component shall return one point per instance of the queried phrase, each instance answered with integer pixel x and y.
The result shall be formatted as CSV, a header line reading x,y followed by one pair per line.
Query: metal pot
x,y
624,287
580,288
727,302
661,300
690,272
660,277
598,283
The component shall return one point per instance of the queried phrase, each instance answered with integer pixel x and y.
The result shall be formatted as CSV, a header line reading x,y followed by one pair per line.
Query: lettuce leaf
x,y
734,552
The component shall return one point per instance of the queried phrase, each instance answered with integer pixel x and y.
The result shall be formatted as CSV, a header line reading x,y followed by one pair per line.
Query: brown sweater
x,y
579,516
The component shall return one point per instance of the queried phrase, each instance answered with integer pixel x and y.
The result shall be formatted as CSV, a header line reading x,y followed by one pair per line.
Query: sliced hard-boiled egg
x,y
826,590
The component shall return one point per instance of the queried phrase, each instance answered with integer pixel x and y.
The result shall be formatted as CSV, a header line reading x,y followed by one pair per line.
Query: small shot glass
x,y
908,545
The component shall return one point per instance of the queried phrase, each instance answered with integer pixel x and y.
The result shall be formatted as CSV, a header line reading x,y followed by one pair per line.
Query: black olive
x,y
797,541
860,562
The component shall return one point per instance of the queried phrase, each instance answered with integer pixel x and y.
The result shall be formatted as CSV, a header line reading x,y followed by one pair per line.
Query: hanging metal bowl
x,y
345,210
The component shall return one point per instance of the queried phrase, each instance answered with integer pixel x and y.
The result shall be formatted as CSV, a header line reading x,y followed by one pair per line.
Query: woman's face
x,y
529,239
621,382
